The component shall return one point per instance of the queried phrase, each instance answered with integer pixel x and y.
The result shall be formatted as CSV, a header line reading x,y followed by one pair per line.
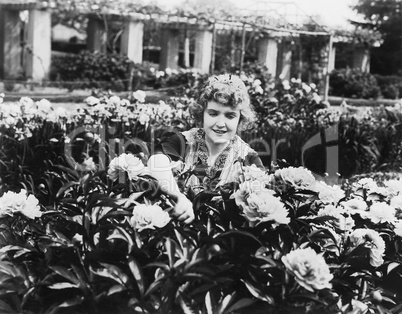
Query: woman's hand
x,y
183,210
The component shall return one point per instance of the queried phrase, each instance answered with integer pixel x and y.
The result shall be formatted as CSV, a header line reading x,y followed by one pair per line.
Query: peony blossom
x,y
371,240
343,221
139,95
92,101
354,205
394,186
381,212
398,228
299,178
396,201
87,165
309,269
149,217
125,163
329,194
261,207
44,105
143,118
27,205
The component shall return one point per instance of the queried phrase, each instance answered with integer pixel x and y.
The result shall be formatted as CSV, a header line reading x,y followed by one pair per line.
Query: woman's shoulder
x,y
248,154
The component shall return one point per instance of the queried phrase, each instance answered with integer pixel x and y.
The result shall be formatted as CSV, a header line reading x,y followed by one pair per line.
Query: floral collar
x,y
203,154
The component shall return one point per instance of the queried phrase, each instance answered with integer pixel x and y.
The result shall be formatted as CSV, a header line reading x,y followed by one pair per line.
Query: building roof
x,y
19,4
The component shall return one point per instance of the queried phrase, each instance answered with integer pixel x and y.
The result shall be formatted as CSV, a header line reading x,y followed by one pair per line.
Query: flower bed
x,y
271,241
84,228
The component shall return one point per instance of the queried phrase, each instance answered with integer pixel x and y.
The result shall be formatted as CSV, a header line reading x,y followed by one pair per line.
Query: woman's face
x,y
220,123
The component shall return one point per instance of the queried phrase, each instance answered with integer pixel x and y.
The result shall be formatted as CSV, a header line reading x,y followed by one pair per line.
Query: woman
x,y
214,152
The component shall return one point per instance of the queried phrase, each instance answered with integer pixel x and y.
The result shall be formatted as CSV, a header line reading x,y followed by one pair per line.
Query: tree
x,y
384,16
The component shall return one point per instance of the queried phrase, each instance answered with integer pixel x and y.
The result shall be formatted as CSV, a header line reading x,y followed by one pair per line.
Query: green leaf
x,y
240,233
5,308
258,293
122,234
65,187
115,289
65,273
242,303
62,285
114,272
68,303
70,171
137,273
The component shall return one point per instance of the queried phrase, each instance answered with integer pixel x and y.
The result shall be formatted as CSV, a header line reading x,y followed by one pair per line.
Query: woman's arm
x,y
160,168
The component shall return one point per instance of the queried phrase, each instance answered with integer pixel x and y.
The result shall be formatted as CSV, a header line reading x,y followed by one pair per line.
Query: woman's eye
x,y
231,116
213,114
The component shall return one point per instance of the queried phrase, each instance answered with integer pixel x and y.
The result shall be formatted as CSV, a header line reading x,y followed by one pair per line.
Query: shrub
x,y
390,85
94,70
353,83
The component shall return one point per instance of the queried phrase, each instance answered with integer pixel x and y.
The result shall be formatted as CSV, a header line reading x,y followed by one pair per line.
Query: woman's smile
x,y
220,124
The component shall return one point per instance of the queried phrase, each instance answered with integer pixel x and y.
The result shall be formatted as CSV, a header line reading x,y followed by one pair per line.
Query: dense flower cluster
x,y
126,164
12,203
309,269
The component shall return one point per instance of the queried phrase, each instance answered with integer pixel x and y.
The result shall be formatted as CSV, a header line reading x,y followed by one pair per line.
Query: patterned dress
x,y
189,154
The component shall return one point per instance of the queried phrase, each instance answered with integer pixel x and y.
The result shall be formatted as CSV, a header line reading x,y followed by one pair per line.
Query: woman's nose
x,y
220,122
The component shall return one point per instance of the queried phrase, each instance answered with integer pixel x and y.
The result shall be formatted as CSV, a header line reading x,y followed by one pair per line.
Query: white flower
x,y
143,118
398,228
316,98
262,207
12,202
306,88
343,221
87,165
394,186
299,178
91,101
381,212
286,85
149,217
329,194
259,90
354,204
256,83
313,86
396,201
114,100
168,71
44,105
367,183
358,307
252,173
139,95
371,240
309,269
125,163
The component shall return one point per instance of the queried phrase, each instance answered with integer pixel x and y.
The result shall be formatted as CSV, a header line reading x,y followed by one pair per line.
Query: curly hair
x,y
227,90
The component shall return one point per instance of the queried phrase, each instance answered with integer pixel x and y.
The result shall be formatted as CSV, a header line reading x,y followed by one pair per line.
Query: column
x,y
268,54
131,42
284,61
331,62
169,56
39,44
361,58
96,34
203,51
10,44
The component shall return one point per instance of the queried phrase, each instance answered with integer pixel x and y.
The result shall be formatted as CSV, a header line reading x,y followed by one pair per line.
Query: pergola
x,y
31,52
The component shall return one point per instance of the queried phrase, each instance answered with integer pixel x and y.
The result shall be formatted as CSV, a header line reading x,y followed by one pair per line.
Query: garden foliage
x,y
87,229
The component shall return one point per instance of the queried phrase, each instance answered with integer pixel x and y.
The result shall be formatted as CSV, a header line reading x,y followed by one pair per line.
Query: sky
x,y
332,13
